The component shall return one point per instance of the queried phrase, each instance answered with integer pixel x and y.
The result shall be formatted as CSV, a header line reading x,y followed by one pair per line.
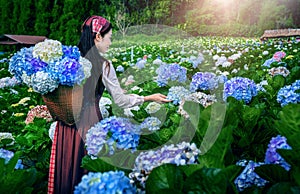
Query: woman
x,y
68,144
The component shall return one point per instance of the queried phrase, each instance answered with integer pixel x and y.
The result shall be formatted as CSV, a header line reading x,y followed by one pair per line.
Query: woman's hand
x,y
160,98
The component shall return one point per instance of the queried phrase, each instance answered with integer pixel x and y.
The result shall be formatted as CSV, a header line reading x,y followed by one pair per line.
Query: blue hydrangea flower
x,y
72,72
240,88
272,157
151,123
196,61
9,82
72,52
123,135
19,63
248,177
288,94
42,83
170,72
120,68
140,64
204,81
177,93
37,65
268,62
106,183
7,155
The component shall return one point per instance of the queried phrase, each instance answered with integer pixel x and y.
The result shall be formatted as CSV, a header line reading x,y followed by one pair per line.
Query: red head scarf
x,y
99,24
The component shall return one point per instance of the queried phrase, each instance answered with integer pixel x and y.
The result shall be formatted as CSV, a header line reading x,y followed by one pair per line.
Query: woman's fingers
x,y
163,98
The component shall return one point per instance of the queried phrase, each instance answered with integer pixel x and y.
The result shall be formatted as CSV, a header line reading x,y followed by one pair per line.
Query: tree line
x,y
62,19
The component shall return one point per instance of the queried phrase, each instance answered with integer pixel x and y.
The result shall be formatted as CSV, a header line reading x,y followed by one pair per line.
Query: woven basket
x,y
65,103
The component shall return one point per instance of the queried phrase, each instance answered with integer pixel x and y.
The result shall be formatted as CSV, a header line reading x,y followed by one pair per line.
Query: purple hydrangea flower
x,y
9,82
180,154
37,65
288,94
96,139
240,88
107,182
124,135
272,157
170,72
204,81
248,177
196,61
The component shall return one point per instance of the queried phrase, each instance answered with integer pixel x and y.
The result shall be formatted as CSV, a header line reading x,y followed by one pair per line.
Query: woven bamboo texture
x,y
65,103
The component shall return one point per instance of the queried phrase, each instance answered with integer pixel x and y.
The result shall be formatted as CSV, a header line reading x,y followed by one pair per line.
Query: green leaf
x,y
12,162
250,116
284,187
190,169
290,156
288,124
6,141
219,148
278,82
18,181
273,173
167,177
206,180
96,165
231,172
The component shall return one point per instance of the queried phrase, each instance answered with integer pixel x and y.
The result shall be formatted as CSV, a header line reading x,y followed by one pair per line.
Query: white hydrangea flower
x,y
48,50
152,107
87,66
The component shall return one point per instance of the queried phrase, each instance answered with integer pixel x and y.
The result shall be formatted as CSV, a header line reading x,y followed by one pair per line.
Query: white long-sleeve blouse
x,y
112,85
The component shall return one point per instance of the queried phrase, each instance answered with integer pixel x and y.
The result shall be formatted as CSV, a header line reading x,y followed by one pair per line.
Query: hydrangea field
x,y
233,125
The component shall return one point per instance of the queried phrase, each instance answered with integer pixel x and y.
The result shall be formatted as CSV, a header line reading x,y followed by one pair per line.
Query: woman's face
x,y
103,43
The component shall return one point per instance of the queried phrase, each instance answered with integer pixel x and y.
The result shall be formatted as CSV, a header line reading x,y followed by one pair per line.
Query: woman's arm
x,y
123,100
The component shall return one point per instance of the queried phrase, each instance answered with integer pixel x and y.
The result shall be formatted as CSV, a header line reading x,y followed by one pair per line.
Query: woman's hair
x,y
88,49
86,44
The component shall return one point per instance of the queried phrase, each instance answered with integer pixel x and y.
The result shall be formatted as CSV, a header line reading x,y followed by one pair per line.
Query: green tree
x,y
55,21
271,12
26,18
249,11
14,28
6,16
43,17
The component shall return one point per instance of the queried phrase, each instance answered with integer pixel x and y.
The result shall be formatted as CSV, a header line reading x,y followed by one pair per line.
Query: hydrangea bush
x,y
180,154
272,157
248,178
170,72
288,94
106,183
112,132
240,88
